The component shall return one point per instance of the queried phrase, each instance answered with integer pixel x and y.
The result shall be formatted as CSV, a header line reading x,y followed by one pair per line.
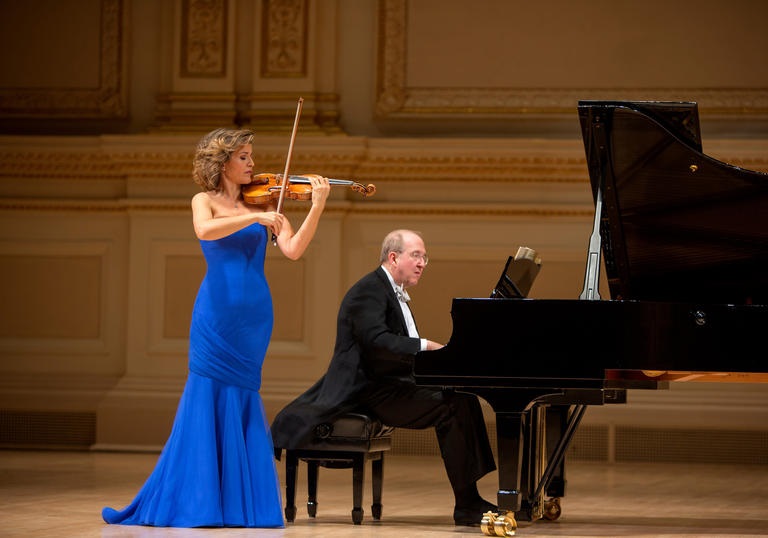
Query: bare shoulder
x,y
201,199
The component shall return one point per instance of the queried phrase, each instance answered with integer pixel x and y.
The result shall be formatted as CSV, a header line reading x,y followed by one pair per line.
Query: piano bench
x,y
347,442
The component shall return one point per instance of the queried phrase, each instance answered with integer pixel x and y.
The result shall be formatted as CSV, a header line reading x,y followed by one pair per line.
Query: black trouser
x,y
456,416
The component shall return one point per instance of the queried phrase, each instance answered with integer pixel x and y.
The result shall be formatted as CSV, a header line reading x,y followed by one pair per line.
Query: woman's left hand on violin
x,y
321,188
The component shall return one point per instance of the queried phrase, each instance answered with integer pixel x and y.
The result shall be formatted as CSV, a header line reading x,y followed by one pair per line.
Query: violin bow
x,y
288,163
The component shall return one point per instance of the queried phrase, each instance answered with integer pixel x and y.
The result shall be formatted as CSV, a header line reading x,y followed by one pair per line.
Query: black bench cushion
x,y
352,427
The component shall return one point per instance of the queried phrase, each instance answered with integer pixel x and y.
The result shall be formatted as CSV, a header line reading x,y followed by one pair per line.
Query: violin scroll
x,y
368,190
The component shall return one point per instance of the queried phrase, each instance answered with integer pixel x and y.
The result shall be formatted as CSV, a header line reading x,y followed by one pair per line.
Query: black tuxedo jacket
x,y
372,347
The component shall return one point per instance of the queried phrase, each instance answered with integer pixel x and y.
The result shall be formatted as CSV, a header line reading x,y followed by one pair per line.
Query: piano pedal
x,y
552,509
494,524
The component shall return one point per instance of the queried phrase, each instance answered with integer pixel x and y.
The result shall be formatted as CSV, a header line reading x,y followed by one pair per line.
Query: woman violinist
x,y
217,468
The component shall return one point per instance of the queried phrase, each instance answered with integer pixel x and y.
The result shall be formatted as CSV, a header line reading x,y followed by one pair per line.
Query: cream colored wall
x,y
461,113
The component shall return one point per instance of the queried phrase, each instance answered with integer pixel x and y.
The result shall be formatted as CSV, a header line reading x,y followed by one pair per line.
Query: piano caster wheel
x,y
494,524
552,509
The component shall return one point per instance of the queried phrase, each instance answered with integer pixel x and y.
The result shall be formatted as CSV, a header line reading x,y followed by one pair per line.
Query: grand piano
x,y
683,239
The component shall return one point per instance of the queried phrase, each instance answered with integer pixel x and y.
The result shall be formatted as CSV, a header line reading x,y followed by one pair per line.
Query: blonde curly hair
x,y
213,150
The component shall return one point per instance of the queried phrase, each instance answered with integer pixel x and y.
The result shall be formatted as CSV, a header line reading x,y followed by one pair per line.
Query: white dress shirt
x,y
407,314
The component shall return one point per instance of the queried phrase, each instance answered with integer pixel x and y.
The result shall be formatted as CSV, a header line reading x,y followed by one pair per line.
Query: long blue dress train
x,y
217,468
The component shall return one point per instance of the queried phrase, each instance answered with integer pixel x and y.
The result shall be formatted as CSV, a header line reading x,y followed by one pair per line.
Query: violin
x,y
265,188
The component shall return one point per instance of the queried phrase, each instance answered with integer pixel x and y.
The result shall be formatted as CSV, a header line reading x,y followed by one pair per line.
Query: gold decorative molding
x,y
333,208
107,101
470,169
468,210
32,164
284,31
203,38
62,206
424,176
395,99
490,102
395,161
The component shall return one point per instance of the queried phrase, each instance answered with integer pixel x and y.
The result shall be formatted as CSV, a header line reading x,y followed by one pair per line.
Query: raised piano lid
x,y
677,225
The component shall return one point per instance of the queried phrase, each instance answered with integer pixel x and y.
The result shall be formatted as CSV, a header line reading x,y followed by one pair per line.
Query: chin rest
x,y
347,442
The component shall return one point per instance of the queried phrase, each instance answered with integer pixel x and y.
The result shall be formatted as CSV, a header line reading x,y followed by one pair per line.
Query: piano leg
x,y
532,444
521,437
526,462
545,434
510,439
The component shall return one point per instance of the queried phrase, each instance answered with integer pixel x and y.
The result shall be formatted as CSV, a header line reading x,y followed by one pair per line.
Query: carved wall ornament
x,y
284,38
204,44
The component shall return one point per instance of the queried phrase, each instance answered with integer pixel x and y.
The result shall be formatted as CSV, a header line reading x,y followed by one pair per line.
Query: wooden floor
x,y
60,494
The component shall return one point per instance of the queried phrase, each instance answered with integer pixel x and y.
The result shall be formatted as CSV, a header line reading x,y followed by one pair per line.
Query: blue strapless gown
x,y
217,468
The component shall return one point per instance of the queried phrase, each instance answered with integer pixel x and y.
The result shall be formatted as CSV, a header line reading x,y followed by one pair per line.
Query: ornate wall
x,y
462,113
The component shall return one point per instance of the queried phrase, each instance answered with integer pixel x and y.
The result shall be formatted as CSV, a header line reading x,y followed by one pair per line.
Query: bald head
x,y
404,256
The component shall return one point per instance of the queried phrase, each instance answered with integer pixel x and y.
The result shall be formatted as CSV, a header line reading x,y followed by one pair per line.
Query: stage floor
x,y
60,494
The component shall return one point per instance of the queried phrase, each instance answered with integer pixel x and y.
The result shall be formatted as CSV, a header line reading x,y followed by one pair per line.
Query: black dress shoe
x,y
472,515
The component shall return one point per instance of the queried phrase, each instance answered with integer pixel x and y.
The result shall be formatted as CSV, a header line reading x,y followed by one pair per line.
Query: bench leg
x,y
291,465
377,479
358,477
312,476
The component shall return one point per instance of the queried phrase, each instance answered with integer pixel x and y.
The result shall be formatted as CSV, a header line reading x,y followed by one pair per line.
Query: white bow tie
x,y
402,294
